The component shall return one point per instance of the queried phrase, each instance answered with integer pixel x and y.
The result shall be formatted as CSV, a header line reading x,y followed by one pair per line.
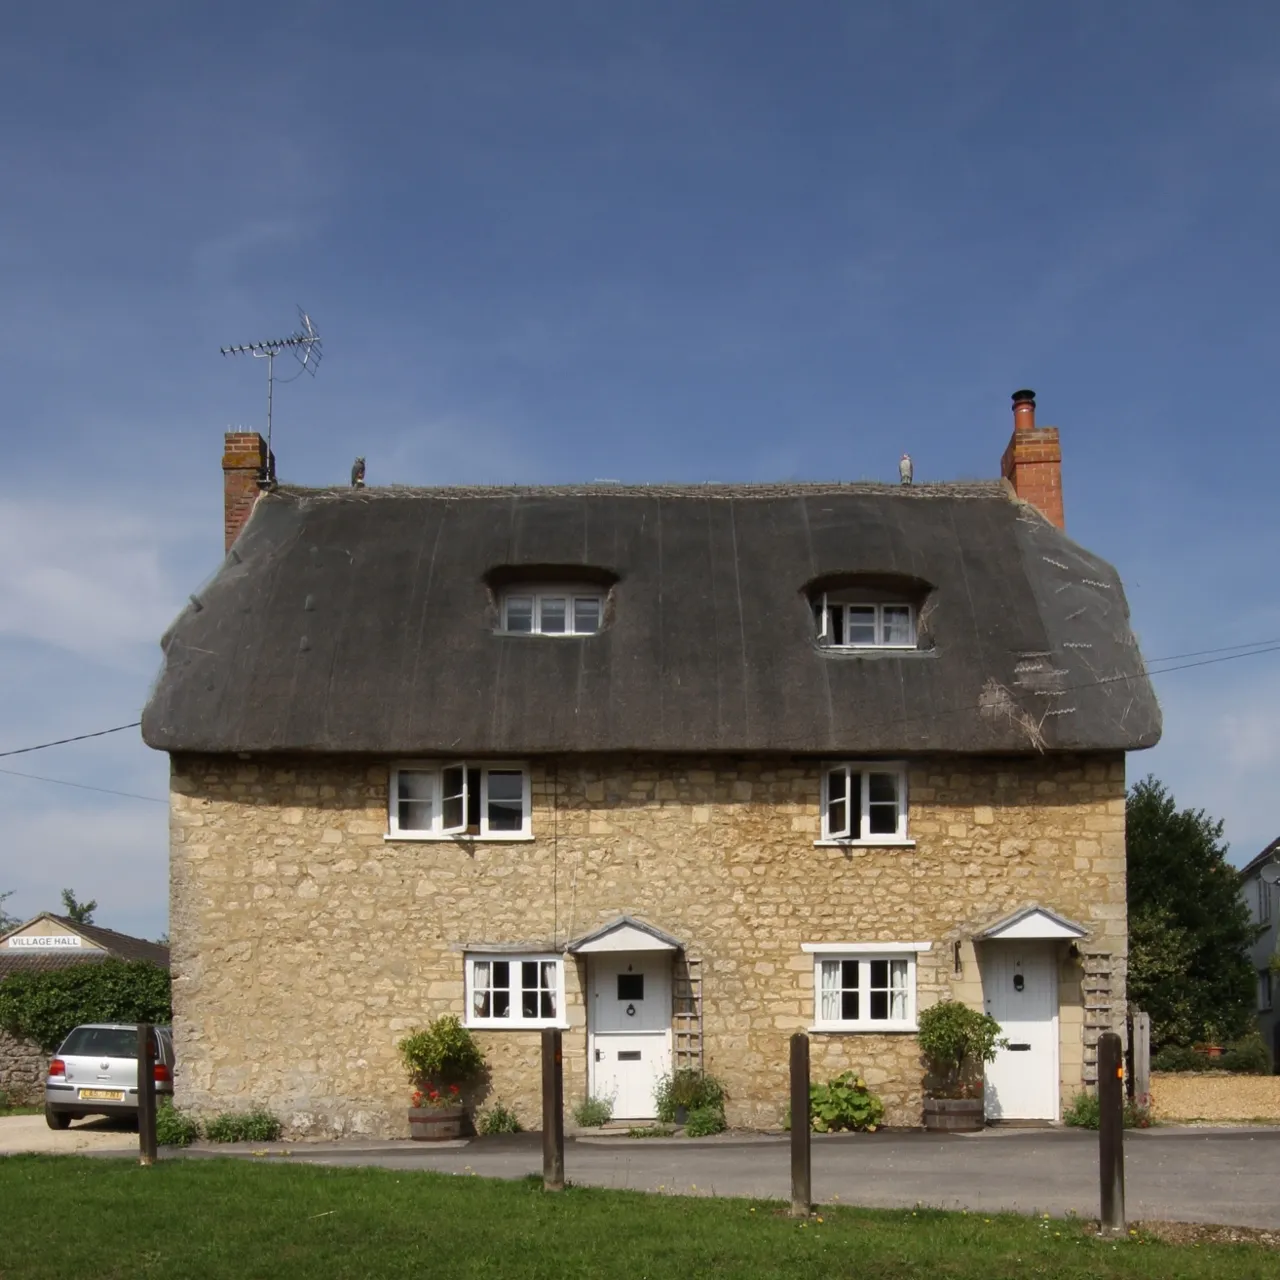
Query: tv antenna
x,y
305,345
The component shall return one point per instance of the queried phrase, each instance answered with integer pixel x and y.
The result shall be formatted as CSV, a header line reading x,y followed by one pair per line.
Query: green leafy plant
x,y
704,1121
1247,1056
1179,1057
956,1040
258,1125
173,1128
441,1054
593,1113
45,1006
499,1119
80,912
844,1103
1085,1112
689,1089
651,1131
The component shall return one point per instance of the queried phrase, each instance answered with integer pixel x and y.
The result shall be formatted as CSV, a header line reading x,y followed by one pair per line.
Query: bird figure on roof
x,y
357,474
905,469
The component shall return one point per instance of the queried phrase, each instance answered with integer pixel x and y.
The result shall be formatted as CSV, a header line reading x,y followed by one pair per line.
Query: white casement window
x,y
864,625
864,803
1265,979
864,987
514,990
1264,901
459,799
552,611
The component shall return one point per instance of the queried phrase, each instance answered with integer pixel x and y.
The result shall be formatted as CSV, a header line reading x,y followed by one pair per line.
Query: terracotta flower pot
x,y
436,1124
954,1115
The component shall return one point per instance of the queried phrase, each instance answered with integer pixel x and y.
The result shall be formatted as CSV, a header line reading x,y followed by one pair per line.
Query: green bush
x,y
445,1052
844,1103
257,1125
593,1113
1179,1057
45,1006
1085,1112
956,1040
651,1131
1247,1056
173,1129
499,1119
704,1121
687,1088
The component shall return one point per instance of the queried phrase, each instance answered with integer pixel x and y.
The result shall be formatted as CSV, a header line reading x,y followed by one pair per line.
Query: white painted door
x,y
1020,989
630,1029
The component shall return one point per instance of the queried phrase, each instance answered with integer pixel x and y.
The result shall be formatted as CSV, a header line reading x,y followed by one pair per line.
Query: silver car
x,y
95,1073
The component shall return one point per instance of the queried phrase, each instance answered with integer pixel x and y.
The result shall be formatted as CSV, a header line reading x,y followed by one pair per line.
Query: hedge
x,y
45,1006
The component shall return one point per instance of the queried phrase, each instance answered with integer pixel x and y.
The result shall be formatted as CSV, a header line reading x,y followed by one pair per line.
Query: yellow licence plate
x,y
103,1095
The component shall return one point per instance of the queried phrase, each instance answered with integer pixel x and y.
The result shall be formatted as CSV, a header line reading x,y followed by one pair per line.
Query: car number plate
x,y
103,1095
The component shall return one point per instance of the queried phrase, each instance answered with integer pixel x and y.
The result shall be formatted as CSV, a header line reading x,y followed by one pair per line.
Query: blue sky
x,y
548,241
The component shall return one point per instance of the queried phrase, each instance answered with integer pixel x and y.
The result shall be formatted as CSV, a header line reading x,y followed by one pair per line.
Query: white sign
x,y
50,942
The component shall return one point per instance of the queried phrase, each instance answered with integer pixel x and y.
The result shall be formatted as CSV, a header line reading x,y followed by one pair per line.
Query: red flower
x,y
453,1088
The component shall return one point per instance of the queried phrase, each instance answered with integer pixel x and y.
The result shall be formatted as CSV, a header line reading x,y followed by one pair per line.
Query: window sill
x,y
882,842
868,1029
427,837
517,1026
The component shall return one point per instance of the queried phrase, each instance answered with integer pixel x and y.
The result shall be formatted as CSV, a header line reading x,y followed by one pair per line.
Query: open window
x,y
459,799
864,803
867,611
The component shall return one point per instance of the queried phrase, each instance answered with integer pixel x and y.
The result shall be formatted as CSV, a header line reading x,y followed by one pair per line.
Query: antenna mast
x,y
305,345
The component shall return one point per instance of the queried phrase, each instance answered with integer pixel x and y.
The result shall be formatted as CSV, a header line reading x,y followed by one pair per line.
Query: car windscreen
x,y
101,1042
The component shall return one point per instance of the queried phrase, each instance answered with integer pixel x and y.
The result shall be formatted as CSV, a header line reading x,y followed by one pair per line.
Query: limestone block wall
x,y
305,943
22,1070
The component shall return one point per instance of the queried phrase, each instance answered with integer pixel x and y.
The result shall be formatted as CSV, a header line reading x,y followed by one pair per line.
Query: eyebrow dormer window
x,y
552,611
863,624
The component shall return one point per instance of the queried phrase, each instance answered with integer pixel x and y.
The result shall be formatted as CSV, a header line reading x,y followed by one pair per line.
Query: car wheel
x,y
56,1119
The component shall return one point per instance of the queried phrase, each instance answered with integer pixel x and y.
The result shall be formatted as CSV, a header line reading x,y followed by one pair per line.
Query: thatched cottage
x,y
679,768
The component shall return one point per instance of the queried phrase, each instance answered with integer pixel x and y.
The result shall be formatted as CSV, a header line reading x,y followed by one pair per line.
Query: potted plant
x,y
1211,1046
440,1059
956,1042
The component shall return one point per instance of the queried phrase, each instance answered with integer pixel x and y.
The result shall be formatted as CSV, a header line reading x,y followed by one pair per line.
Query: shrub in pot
x,y
687,1090
957,1042
441,1059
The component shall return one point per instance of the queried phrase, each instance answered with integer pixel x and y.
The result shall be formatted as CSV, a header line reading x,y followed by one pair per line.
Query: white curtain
x,y
830,990
898,990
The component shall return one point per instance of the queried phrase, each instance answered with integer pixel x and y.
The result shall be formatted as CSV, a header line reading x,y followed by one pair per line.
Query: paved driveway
x,y
30,1133
1191,1175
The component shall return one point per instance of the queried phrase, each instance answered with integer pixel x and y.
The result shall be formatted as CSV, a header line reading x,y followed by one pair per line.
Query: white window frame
x,y
516,1019
569,594
1266,990
1264,901
863,835
826,629
863,954
434,769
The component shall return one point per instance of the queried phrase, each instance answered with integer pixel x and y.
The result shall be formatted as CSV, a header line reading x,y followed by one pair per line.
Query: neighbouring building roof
x,y
1270,854
363,621
92,944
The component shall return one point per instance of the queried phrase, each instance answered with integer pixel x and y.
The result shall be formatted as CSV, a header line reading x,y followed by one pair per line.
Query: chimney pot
x,y
1024,410
1032,463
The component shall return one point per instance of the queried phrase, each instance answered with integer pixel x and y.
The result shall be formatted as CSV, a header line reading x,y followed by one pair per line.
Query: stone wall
x,y
22,1068
1215,1095
305,944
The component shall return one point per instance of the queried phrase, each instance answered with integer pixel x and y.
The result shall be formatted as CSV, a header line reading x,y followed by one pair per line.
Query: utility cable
x,y
80,737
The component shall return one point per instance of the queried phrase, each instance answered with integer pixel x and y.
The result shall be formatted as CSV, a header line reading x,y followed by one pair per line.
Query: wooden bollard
x,y
552,1110
146,1094
801,1169
1111,1133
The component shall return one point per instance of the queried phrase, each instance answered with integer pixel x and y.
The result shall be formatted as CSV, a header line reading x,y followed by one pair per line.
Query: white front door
x,y
630,1028
1020,990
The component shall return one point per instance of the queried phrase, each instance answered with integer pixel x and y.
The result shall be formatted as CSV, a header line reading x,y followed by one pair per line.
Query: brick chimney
x,y
244,464
1032,463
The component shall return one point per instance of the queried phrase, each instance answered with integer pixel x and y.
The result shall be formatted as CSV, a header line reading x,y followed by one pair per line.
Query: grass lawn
x,y
65,1216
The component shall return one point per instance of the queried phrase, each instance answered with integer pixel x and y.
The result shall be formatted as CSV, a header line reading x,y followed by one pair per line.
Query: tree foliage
x,y
1189,929
6,920
44,1006
74,909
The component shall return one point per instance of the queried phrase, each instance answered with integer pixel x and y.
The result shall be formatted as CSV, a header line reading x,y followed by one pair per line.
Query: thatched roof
x,y
363,621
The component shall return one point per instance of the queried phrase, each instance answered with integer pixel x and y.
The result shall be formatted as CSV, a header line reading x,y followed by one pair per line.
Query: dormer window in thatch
x,y
551,611
874,613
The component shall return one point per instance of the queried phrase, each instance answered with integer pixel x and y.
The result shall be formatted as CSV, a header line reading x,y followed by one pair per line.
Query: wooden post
x,y
1142,1059
1111,1133
552,1110
801,1169
146,1094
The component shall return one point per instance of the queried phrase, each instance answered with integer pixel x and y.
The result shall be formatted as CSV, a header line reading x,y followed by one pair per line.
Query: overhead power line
x,y
62,742
82,786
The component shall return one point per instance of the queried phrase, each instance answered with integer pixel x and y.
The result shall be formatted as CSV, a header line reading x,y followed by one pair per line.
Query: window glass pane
x,y
453,806
631,986
897,624
837,624
549,988
506,800
849,1005
861,624
817,618
882,808
879,1011
414,790
520,613
879,974
898,990
837,803
883,787
552,609
529,989
501,988
586,615
473,800
480,977
829,975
